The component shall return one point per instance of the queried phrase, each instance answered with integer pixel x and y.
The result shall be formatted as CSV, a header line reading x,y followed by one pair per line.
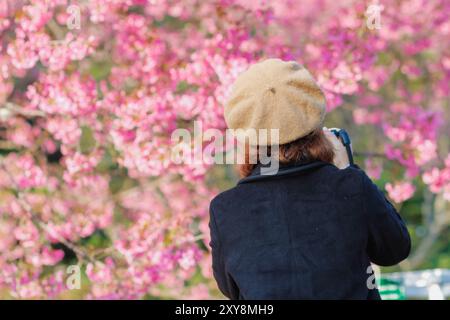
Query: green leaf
x,y
100,70
87,141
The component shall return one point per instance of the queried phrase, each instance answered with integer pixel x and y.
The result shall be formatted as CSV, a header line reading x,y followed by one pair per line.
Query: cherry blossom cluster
x,y
87,113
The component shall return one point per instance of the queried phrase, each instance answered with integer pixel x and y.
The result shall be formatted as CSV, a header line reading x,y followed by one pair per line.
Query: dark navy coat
x,y
308,232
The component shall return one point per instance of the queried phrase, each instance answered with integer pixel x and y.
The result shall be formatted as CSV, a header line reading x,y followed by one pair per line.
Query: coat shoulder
x,y
348,180
222,198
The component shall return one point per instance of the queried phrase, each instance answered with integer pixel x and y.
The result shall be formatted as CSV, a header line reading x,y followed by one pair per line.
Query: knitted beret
x,y
276,94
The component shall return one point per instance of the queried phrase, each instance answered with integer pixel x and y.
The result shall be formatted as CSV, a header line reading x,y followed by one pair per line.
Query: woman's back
x,y
311,230
308,232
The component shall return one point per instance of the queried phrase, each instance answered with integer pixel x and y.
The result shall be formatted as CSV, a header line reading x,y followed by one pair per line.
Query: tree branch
x,y
14,108
437,218
34,217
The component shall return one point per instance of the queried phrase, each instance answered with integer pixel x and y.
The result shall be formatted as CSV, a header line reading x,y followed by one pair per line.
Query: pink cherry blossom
x,y
399,192
87,116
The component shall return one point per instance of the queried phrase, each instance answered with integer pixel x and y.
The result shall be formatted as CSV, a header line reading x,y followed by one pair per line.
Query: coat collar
x,y
283,170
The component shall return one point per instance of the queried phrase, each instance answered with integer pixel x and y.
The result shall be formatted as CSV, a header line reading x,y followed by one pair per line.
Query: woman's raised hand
x,y
340,153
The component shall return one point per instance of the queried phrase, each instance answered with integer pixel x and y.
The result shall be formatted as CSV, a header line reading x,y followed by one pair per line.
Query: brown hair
x,y
312,147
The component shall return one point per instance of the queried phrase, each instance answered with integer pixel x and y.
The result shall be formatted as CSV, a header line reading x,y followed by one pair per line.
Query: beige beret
x,y
276,94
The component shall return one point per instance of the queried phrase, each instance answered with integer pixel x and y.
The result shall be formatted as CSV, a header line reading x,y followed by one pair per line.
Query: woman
x,y
311,230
